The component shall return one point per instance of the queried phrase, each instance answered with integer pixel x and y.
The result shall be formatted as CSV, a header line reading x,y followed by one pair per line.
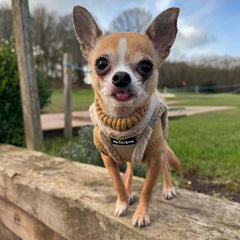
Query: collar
x,y
120,124
153,111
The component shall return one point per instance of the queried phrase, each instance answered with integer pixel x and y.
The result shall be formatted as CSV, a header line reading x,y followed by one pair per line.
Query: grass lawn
x,y
81,100
208,145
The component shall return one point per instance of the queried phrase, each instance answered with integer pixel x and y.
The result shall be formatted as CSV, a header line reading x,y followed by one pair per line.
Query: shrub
x,y
11,118
139,170
84,151
44,91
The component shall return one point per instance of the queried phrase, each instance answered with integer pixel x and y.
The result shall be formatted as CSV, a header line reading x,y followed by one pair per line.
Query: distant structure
x,y
87,73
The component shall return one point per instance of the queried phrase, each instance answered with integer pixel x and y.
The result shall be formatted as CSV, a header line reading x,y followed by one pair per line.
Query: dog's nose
x,y
121,79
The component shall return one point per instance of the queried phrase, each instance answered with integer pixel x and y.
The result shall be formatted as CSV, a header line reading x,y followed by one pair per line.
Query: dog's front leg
x,y
140,217
128,180
169,191
122,196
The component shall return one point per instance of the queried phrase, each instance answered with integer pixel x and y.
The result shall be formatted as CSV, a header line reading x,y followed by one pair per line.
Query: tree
x,y
172,74
222,62
69,43
46,44
6,28
134,20
52,36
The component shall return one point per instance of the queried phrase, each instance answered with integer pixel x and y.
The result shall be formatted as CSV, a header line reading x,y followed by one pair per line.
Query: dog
x,y
130,117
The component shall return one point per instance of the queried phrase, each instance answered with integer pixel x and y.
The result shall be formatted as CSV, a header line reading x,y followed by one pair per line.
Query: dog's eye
x,y
145,68
101,64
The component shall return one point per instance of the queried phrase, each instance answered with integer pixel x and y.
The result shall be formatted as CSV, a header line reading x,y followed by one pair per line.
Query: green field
x,y
208,145
80,101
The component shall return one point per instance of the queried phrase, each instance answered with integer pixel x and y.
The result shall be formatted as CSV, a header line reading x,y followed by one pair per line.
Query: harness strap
x,y
149,134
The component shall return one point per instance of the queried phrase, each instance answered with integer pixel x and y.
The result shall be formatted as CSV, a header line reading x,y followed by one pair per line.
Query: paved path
x,y
192,110
176,102
53,121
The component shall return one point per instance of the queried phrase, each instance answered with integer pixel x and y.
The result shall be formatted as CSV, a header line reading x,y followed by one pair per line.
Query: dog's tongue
x,y
122,96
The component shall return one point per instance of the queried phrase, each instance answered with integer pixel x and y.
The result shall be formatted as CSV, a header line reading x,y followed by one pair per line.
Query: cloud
x,y
162,5
5,3
190,41
190,36
205,8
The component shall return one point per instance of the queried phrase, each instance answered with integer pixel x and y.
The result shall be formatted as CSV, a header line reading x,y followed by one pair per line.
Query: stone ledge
x,y
76,201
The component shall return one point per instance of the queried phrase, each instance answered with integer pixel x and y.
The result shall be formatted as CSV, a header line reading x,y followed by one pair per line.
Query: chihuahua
x,y
130,117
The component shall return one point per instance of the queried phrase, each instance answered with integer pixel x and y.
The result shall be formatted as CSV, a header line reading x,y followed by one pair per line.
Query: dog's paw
x,y
169,193
120,208
140,219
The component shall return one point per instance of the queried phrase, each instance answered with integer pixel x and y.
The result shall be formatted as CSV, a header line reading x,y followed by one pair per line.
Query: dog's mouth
x,y
122,95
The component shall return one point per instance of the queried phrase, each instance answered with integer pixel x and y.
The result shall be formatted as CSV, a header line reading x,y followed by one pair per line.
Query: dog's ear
x,y
86,30
162,31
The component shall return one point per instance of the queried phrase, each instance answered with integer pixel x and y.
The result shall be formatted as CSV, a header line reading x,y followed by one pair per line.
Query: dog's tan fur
x,y
136,47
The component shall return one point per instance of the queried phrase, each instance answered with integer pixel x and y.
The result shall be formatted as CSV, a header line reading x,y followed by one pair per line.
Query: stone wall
x,y
44,197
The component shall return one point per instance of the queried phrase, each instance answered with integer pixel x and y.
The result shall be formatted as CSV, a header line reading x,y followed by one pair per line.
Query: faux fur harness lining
x,y
141,130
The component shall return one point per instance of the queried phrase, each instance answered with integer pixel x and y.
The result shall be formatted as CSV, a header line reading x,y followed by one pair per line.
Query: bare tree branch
x,y
134,20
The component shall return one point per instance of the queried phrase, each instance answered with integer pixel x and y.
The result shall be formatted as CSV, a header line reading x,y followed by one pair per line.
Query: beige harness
x,y
129,143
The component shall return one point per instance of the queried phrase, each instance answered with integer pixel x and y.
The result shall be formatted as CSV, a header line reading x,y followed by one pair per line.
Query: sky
x,y
205,27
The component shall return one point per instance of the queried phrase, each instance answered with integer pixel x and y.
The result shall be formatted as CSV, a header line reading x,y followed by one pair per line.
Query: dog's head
x,y
124,64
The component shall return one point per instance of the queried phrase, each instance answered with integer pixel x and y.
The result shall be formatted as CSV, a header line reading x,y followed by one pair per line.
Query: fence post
x,y
28,83
165,93
67,85
196,89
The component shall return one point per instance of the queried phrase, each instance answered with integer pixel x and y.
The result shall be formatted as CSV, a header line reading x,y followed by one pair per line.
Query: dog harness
x,y
133,138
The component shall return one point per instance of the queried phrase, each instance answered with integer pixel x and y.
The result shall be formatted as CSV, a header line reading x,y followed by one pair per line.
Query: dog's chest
x,y
129,149
129,144
124,147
